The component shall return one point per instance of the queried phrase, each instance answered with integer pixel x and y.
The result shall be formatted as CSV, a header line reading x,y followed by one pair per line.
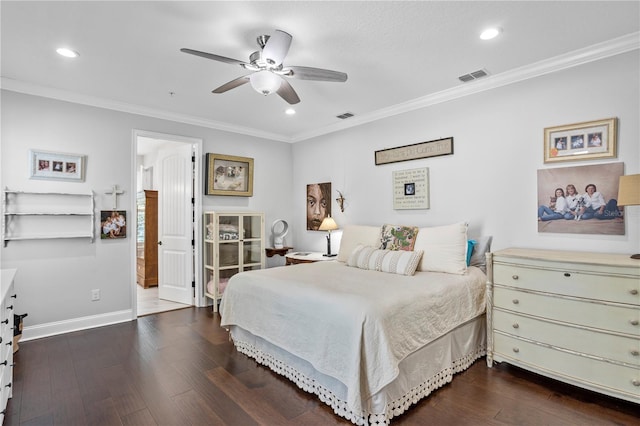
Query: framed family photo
x,y
113,224
581,141
56,166
229,175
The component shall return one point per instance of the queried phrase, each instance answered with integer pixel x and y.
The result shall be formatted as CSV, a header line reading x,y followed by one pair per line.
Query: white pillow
x,y
401,262
353,235
445,248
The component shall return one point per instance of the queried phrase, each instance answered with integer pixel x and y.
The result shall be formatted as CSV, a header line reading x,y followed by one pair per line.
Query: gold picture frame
x,y
229,175
581,141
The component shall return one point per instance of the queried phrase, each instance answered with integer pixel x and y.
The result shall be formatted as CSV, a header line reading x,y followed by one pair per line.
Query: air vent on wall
x,y
473,76
345,115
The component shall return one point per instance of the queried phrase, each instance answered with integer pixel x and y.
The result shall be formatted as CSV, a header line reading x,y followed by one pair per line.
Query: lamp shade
x,y
328,224
265,82
629,190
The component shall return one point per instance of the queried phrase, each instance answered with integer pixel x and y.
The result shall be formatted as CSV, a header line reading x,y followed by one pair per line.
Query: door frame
x,y
196,143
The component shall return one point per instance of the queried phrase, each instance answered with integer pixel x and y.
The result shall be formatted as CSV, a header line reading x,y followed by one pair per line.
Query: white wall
x,y
55,277
490,180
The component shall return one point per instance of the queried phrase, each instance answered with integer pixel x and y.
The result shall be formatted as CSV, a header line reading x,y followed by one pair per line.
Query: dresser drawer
x,y
599,344
570,282
613,379
618,318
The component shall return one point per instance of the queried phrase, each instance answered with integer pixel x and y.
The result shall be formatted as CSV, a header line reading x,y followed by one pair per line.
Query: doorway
x,y
170,162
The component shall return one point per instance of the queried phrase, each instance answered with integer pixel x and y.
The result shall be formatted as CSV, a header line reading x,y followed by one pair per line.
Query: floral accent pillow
x,y
397,237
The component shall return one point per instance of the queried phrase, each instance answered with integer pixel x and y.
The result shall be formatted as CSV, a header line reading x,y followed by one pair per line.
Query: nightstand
x,y
306,257
270,251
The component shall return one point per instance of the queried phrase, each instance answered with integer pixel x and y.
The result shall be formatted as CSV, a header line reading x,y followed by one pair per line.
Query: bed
x,y
372,332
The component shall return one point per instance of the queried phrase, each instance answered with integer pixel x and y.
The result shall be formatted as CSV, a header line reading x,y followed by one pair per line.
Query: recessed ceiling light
x,y
68,53
290,111
490,33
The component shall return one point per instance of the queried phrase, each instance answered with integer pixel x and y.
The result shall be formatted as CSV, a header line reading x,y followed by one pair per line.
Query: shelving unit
x,y
233,242
47,215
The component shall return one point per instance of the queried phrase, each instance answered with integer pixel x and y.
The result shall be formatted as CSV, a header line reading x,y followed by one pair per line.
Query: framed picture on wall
x,y
229,175
56,166
581,141
318,204
580,200
113,224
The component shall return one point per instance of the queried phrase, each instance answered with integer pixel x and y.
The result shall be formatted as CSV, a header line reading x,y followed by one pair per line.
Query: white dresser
x,y
572,316
7,295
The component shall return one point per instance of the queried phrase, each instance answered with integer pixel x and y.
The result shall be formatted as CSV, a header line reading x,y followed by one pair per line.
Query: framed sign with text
x,y
414,152
411,189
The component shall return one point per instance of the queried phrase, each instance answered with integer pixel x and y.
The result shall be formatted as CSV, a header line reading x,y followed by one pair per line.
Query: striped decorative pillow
x,y
393,261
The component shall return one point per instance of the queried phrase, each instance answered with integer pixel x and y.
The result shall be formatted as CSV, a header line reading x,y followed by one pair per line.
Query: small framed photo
x,y
581,141
56,166
113,224
229,175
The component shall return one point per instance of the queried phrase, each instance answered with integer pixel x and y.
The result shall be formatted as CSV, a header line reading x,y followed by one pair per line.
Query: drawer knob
x,y
634,291
5,321
635,382
634,322
516,301
515,277
566,274
516,350
15,296
10,307
516,325
635,352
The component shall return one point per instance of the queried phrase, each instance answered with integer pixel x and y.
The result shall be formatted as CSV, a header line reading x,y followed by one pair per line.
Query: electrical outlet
x,y
95,294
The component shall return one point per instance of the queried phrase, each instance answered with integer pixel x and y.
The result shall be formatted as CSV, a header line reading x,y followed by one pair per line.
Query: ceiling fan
x,y
268,70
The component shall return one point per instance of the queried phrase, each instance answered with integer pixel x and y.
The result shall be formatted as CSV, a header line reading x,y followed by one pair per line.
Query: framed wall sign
x,y
411,189
56,166
416,151
580,141
229,175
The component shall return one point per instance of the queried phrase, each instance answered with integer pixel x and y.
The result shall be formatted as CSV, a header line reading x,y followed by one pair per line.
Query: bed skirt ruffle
x,y
421,373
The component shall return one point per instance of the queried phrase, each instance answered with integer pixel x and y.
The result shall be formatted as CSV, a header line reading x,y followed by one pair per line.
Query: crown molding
x,y
578,57
575,58
68,96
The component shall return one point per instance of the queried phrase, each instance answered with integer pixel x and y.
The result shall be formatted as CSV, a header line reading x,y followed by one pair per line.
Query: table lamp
x,y
629,194
328,224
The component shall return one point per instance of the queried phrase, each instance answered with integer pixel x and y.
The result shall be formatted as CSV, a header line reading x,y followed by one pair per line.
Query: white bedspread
x,y
351,324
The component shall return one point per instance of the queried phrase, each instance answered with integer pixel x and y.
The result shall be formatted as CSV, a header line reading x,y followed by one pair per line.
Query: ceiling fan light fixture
x,y
265,82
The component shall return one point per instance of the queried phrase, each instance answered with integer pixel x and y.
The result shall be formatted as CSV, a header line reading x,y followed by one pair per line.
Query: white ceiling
x,y
399,55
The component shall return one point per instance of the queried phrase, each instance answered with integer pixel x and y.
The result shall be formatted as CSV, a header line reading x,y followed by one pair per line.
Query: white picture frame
x,y
411,189
56,166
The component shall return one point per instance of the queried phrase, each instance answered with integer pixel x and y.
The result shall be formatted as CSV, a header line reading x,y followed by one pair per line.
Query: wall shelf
x,y
31,215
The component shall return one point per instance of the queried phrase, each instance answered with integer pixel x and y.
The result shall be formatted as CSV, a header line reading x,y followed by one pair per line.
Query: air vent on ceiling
x,y
473,76
345,115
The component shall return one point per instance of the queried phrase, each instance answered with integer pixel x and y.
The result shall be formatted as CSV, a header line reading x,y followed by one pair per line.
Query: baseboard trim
x,y
75,324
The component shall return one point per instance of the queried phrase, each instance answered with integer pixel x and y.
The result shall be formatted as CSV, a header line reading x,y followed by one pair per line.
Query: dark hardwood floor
x,y
179,368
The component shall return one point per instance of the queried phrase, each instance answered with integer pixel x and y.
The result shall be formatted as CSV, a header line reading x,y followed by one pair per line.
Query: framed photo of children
x,y
56,166
228,175
580,200
581,141
113,224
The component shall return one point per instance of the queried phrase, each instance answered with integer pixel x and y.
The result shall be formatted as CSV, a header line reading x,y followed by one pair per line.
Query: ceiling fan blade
x,y
308,73
232,84
277,47
287,93
214,57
